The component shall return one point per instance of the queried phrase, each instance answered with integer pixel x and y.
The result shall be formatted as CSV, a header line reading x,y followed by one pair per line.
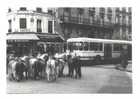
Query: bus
x,y
97,49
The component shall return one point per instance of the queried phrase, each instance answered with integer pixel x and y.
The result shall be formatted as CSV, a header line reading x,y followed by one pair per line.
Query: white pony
x,y
51,70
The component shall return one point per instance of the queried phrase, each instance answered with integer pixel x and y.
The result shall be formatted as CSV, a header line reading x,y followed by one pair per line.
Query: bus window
x,y
75,47
116,47
99,46
70,46
96,46
78,46
86,46
91,46
81,46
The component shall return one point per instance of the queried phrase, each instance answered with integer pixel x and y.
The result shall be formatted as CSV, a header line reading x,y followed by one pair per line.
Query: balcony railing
x,y
84,21
24,30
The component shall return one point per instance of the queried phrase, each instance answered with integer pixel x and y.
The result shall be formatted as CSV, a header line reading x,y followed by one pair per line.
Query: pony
x,y
60,63
42,59
51,70
16,69
25,59
74,65
35,66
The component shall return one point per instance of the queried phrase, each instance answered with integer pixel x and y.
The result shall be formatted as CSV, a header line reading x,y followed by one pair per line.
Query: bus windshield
x,y
85,46
75,46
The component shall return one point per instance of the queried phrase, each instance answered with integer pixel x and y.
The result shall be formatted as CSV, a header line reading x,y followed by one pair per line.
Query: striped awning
x,y
46,37
22,37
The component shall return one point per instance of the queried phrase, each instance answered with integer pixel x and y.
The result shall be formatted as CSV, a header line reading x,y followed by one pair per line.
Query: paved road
x,y
97,79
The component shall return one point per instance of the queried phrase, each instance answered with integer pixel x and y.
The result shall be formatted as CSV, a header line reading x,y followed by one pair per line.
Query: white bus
x,y
96,49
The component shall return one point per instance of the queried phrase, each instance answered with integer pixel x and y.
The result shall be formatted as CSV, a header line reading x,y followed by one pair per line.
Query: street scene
x,y
69,50
97,79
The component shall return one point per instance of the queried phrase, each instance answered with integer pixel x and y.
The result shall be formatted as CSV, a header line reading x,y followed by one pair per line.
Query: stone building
x,y
37,30
95,22
32,31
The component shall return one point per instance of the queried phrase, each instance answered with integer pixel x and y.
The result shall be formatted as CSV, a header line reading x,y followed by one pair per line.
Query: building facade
x,y
95,22
32,30
45,27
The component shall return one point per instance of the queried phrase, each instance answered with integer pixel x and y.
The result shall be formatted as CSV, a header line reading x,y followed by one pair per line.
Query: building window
x,y
130,30
109,14
92,12
23,23
80,11
123,19
39,10
124,10
50,27
129,20
67,9
102,12
23,9
117,19
39,26
10,25
117,11
50,12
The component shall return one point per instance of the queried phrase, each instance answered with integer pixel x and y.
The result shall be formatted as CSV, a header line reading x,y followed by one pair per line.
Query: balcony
x,y
84,21
23,30
108,24
75,20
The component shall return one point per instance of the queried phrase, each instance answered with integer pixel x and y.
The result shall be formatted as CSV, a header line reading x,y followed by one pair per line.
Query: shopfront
x,y
25,44
51,42
21,43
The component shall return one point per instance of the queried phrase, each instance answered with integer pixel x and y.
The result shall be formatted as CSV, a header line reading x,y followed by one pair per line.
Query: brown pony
x,y
16,69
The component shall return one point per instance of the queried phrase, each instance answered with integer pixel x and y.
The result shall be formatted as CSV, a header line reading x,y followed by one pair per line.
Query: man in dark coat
x,y
124,57
78,67
70,65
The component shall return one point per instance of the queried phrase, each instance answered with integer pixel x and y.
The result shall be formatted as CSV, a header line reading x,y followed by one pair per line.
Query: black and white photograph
x,y
64,50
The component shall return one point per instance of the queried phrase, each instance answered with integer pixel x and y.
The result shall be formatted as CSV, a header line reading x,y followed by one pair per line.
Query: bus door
x,y
107,51
130,52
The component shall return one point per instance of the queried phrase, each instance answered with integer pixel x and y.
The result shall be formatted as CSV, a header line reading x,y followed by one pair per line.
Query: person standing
x,y
78,67
70,65
124,57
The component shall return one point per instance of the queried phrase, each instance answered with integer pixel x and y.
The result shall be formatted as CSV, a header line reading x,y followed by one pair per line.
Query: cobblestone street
x,y
95,79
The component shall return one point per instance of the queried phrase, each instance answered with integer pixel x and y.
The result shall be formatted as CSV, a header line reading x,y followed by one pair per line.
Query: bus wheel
x,y
98,59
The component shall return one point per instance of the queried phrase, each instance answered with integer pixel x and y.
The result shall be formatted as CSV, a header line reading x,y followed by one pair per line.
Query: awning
x,y
21,37
50,37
